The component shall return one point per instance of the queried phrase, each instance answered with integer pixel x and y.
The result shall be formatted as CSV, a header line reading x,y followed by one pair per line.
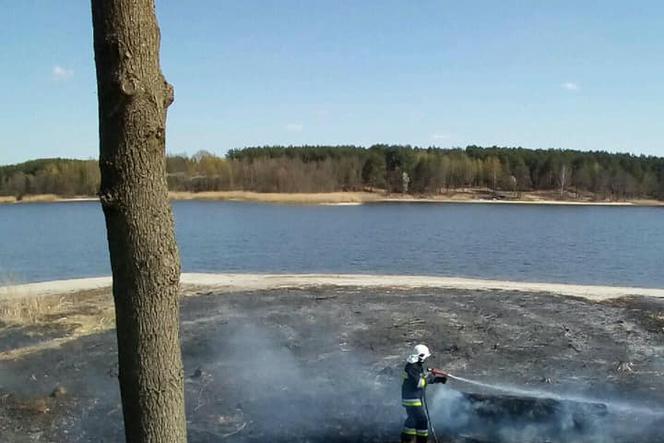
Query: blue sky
x,y
574,74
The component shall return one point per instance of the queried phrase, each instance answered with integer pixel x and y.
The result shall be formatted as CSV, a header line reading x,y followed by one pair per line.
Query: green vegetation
x,y
350,168
50,176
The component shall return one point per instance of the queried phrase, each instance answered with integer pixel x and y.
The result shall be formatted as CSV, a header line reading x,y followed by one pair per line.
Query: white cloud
x,y
570,86
440,136
294,127
60,73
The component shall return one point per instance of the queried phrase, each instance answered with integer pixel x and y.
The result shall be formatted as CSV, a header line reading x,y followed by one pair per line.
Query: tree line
x,y
50,176
393,168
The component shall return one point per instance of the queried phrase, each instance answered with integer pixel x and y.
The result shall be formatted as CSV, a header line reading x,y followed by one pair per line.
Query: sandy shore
x,y
356,198
285,197
353,198
248,282
45,198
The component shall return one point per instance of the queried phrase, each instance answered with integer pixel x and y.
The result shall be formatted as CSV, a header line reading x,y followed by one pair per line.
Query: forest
x,y
388,168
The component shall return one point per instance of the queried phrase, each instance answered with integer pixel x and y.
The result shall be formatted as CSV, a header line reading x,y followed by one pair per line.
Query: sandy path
x,y
244,282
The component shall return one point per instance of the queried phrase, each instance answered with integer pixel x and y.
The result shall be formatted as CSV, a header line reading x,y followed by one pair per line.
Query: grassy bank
x,y
354,198
457,196
289,198
43,198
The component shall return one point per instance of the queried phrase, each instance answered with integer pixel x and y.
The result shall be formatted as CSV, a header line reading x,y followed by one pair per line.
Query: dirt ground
x,y
315,365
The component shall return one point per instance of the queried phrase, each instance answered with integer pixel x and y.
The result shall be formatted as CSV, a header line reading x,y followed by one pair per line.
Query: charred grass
x,y
324,364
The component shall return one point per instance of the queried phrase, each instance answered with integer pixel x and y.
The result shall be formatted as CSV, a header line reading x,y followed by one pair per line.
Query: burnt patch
x,y
13,337
647,312
505,418
324,365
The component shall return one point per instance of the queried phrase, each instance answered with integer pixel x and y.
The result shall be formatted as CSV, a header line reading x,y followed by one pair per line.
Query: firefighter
x,y
415,380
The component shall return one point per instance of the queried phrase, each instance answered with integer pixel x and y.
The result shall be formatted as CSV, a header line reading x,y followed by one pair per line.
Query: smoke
x,y
283,392
251,382
278,386
513,414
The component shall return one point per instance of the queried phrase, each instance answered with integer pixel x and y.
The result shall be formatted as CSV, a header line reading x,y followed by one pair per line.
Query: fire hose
x,y
437,374
426,411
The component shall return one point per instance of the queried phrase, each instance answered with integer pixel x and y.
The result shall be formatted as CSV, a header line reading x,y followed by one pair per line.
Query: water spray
x,y
478,383
538,393
440,373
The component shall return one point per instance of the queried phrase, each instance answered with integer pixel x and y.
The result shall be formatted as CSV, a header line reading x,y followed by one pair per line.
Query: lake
x,y
567,244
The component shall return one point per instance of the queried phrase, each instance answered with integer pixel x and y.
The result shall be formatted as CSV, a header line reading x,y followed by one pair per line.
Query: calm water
x,y
571,244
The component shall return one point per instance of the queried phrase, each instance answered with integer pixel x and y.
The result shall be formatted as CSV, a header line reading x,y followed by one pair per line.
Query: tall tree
x,y
133,98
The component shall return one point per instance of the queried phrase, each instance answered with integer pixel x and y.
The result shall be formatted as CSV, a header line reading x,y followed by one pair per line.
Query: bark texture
x,y
133,98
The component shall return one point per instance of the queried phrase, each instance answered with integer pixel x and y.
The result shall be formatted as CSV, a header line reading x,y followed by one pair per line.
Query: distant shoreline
x,y
45,198
353,198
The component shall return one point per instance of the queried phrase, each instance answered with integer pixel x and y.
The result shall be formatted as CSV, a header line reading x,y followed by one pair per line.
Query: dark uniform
x,y
415,381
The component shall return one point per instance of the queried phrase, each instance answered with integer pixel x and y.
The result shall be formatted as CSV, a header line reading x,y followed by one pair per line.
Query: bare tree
x,y
133,98
563,178
494,169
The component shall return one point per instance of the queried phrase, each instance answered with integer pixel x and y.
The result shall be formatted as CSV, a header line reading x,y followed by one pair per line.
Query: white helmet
x,y
420,353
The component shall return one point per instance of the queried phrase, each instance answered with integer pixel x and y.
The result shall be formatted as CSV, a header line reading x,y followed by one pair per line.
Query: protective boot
x,y
422,439
406,438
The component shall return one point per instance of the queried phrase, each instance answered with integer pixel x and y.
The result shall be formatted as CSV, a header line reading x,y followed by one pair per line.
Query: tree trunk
x,y
133,98
563,180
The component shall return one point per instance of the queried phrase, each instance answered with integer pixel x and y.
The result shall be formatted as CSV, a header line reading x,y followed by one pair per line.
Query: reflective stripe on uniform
x,y
422,383
411,402
409,431
422,432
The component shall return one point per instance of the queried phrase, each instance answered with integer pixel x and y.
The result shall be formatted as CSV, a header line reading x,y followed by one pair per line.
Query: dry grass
x,y
470,195
7,199
8,282
293,198
29,310
354,198
40,198
82,313
647,202
37,198
46,198
29,406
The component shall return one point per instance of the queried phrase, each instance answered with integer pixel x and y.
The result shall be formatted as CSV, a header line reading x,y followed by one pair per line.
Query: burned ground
x,y
325,365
